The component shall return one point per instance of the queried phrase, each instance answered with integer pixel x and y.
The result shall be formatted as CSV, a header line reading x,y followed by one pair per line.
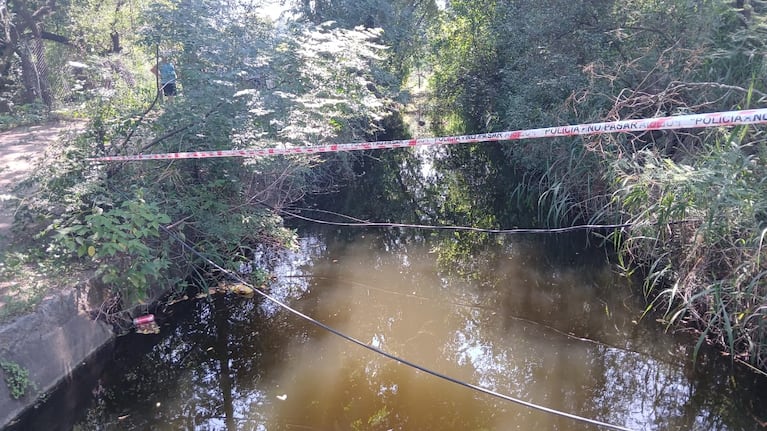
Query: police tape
x,y
716,119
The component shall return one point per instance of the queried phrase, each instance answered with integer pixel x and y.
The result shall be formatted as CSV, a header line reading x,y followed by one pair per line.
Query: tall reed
x,y
700,233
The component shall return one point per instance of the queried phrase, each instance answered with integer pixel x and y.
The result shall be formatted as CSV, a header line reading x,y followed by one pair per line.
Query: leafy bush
x,y
116,240
243,85
696,197
24,115
701,235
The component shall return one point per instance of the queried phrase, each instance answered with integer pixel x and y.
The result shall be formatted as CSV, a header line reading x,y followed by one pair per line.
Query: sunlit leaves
x,y
317,80
404,23
294,86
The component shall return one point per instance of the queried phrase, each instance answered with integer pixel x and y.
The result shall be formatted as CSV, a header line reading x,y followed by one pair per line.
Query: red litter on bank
x,y
143,320
146,325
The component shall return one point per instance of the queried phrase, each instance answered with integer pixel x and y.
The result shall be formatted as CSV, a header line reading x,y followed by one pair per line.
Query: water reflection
x,y
561,333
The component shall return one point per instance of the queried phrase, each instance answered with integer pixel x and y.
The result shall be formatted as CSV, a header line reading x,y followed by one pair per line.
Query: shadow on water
x,y
546,323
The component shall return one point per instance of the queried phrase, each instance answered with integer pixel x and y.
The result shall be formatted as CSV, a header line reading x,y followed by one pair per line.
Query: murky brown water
x,y
546,325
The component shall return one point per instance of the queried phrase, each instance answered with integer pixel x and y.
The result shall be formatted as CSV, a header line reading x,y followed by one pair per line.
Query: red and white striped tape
x,y
716,119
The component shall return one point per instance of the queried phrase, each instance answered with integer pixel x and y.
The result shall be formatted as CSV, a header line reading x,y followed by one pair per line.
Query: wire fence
x,y
46,75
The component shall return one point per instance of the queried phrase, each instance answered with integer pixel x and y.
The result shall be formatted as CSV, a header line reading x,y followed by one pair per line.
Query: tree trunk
x,y
28,77
31,51
116,47
34,71
115,35
9,41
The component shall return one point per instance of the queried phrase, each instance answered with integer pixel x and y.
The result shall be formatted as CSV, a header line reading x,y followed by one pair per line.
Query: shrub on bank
x,y
700,233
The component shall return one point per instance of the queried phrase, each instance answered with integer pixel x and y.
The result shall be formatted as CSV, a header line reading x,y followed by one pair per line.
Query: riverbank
x,y
46,332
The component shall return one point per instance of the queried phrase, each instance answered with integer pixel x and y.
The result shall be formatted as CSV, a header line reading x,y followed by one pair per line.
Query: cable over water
x,y
362,223
394,357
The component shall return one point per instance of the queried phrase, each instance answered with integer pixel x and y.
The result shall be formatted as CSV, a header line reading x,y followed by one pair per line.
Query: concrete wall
x,y
51,343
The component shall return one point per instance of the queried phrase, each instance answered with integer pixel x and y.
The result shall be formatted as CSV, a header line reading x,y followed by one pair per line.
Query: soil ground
x,y
20,150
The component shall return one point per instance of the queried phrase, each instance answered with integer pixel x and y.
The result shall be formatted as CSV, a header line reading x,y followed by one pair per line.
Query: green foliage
x,y
245,85
701,236
116,240
403,23
93,25
57,53
24,115
696,196
25,281
242,85
16,378
391,179
507,66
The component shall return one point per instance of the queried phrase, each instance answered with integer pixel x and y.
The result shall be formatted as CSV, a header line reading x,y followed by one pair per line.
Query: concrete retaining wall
x,y
51,343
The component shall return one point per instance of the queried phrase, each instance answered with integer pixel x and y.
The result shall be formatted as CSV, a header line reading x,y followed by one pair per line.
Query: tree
x,y
404,24
242,85
39,36
23,39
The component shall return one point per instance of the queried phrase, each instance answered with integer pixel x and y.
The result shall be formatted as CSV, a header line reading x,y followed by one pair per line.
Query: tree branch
x,y
56,38
695,85
178,130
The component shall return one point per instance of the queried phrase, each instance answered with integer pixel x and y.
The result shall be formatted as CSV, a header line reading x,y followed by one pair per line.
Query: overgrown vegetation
x,y
24,281
695,196
243,84
334,72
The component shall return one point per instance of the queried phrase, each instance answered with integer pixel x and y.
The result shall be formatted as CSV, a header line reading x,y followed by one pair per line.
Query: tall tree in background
x,y
22,22
37,37
404,24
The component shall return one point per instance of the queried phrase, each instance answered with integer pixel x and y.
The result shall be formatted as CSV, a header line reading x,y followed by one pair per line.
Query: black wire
x,y
471,228
393,357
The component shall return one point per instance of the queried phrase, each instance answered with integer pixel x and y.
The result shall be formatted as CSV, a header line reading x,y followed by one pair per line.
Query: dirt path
x,y
19,150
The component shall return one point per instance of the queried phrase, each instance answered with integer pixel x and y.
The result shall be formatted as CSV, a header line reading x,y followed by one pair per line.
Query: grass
x,y
20,292
700,236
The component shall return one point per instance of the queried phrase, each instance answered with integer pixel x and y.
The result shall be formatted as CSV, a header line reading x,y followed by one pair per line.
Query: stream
x,y
547,322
